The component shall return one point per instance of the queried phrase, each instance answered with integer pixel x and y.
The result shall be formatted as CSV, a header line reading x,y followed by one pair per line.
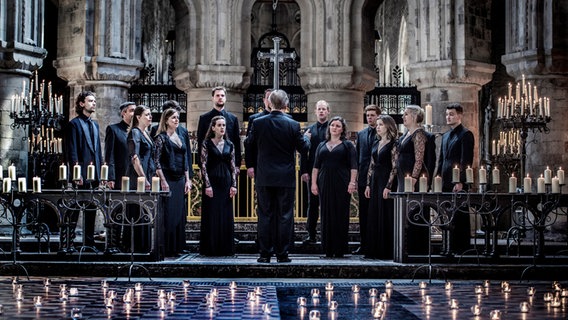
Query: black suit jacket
x,y
456,150
183,134
233,132
81,148
116,151
274,139
249,156
307,160
364,151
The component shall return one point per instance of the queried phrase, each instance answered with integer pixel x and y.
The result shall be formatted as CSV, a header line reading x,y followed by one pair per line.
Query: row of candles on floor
x,y
63,176
545,179
380,301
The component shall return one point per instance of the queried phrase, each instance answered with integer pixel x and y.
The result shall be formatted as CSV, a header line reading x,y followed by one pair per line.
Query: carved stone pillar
x,y
21,52
344,88
536,47
98,51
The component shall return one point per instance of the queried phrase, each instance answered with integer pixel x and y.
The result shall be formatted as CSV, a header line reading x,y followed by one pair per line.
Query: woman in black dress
x,y
409,161
219,187
380,217
172,168
334,179
140,147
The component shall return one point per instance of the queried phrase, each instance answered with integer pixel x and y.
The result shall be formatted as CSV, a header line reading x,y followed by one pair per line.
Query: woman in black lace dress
x,y
380,217
172,168
219,187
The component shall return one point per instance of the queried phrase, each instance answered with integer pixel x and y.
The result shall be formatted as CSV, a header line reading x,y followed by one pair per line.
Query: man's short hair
x,y
171,104
373,107
455,106
279,99
125,105
217,89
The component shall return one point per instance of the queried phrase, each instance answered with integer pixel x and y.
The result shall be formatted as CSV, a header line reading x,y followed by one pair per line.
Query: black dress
x,y
333,180
380,217
410,161
172,160
218,169
141,147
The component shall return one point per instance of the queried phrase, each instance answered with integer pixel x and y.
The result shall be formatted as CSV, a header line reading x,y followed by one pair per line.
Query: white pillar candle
x,y
469,175
63,172
547,176
428,115
512,184
7,185
496,176
1,172
423,184
22,187
125,187
408,184
482,176
555,185
155,184
36,184
560,175
91,172
12,172
104,172
456,175
527,184
141,184
438,184
76,172
540,185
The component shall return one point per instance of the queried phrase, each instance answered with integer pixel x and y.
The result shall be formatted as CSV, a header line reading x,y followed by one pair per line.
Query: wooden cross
x,y
276,55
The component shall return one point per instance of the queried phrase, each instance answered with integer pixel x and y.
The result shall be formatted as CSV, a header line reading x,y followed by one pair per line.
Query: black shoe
x,y
358,251
309,240
283,259
263,260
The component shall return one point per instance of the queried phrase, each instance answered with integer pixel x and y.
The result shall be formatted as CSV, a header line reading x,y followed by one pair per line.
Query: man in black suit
x,y
116,157
274,139
249,157
456,150
83,147
232,124
366,138
317,133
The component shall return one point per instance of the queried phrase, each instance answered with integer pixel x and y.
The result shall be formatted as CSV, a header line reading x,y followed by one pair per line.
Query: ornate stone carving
x,y
330,78
202,76
447,72
97,68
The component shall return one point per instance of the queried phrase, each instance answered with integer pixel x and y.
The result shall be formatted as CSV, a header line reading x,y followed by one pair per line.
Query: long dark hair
x,y
210,134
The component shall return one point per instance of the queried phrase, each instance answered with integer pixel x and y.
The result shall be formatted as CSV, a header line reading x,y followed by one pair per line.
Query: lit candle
x,y
438,184
512,184
141,184
456,175
91,172
495,315
125,187
1,172
63,172
155,184
423,184
540,188
76,172
408,184
427,300
6,185
454,304
496,176
524,306
476,310
482,176
469,175
527,184
329,286
560,175
548,175
12,172
302,301
104,172
22,187
36,184
428,115
555,185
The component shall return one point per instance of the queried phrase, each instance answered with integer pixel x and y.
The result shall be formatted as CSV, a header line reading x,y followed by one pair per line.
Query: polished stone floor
x,y
277,299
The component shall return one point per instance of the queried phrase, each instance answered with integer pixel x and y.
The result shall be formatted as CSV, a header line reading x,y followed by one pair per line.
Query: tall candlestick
x,y
125,187
540,188
555,185
63,172
560,175
76,172
155,184
438,184
469,175
141,184
423,184
104,172
527,184
512,184
482,176
496,176
91,172
456,175
408,184
22,187
36,185
12,172
547,176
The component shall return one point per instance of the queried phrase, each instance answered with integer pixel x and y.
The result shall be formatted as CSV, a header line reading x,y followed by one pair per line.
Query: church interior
x,y
505,62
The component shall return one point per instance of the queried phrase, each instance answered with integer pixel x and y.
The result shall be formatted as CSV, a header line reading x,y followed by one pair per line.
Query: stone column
x,y
21,53
344,88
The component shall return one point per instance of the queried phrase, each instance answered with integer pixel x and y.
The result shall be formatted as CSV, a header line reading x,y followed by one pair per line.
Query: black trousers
x,y
363,212
313,214
275,220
